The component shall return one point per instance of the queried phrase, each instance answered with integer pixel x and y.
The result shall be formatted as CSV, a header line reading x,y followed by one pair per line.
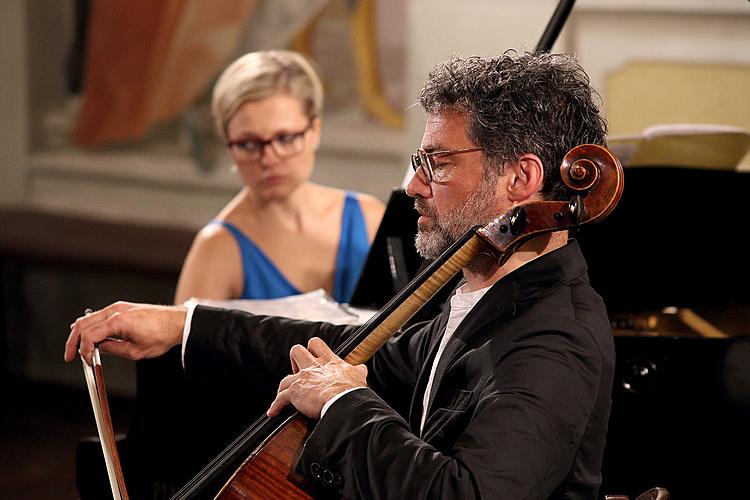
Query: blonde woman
x,y
282,234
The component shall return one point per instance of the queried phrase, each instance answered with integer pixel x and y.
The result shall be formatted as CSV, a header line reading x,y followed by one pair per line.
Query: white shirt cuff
x,y
190,304
336,398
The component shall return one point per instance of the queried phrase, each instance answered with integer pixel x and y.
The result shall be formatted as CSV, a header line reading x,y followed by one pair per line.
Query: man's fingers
x,y
117,347
89,331
83,342
283,394
92,318
301,358
71,346
75,340
285,383
320,349
282,399
86,350
295,368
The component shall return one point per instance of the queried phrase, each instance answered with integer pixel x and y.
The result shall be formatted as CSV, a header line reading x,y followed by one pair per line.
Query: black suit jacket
x,y
519,404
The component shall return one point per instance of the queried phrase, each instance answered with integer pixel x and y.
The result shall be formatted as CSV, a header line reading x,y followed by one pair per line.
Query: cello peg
x,y
517,220
575,205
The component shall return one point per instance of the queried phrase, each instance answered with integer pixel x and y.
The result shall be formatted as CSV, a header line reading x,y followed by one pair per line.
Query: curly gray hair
x,y
530,103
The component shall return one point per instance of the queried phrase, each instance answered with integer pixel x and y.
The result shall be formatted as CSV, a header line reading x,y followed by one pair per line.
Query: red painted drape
x,y
147,60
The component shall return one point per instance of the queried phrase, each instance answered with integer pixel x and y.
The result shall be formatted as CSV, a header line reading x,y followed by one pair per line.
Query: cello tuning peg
x,y
517,220
575,205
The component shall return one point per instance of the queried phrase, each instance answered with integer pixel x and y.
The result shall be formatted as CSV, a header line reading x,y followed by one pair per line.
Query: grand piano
x,y
673,270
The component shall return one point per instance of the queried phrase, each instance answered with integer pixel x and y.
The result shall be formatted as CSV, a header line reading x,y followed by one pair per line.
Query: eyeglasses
x,y
424,162
284,144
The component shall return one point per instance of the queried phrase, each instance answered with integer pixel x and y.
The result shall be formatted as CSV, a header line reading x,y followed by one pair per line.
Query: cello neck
x,y
373,334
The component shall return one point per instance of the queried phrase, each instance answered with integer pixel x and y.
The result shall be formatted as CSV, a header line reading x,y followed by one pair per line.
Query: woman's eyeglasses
x,y
284,144
424,165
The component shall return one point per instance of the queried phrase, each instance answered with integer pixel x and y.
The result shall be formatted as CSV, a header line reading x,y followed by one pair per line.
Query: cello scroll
x,y
591,172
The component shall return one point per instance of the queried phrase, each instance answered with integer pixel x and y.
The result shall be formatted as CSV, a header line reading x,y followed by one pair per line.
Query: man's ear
x,y
525,177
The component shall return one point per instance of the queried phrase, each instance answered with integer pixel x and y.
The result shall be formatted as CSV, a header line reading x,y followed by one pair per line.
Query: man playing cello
x,y
506,394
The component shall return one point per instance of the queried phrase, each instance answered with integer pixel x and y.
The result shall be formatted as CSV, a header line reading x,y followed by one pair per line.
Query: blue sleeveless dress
x,y
263,280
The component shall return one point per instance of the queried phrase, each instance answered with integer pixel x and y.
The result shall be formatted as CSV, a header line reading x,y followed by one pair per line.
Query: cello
x,y
268,450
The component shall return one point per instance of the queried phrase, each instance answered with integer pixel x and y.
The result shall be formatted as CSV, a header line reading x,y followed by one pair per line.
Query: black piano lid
x,y
677,238
388,268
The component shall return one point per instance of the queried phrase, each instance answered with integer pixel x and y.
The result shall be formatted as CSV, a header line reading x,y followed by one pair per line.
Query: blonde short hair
x,y
258,75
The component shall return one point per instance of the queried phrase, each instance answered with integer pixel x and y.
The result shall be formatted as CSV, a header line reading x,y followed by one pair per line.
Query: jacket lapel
x,y
415,412
497,305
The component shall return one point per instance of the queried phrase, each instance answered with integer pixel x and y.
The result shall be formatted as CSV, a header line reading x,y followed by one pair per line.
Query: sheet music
x,y
713,146
313,306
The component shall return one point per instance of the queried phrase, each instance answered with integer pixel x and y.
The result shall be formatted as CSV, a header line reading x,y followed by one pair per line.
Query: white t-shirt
x,y
461,304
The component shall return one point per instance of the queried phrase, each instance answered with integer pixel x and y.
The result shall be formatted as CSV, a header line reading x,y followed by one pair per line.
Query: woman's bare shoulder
x,y
212,267
213,239
369,202
372,209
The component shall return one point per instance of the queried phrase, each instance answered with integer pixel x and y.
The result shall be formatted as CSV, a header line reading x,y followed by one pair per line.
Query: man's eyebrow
x,y
434,147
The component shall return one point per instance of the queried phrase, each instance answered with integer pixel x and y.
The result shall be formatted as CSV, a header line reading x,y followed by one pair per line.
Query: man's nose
x,y
418,186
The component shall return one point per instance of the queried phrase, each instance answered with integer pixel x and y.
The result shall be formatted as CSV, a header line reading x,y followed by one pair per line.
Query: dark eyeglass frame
x,y
422,159
261,144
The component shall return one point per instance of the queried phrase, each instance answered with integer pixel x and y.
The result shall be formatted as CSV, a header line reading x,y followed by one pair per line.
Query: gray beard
x,y
479,209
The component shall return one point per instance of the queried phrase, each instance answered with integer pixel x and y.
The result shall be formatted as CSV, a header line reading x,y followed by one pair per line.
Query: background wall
x,y
606,35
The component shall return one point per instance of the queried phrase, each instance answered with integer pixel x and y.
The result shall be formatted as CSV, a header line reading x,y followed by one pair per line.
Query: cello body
x,y
266,473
